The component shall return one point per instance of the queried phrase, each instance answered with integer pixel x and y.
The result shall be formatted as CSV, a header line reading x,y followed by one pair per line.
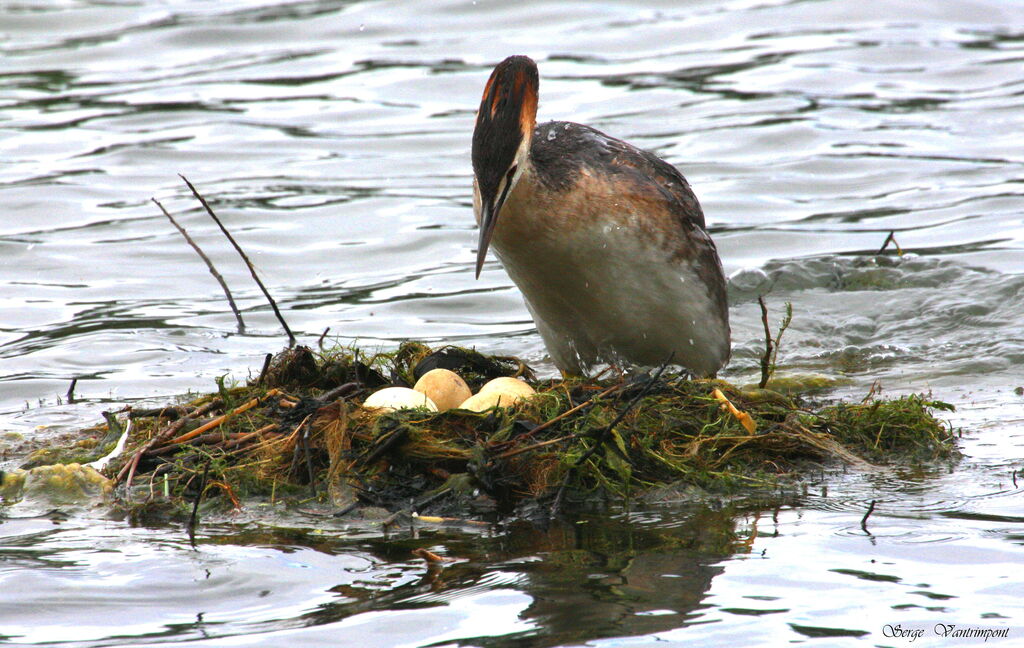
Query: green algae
x,y
57,484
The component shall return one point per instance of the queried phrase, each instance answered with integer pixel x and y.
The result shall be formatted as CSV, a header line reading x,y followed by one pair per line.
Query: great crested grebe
x,y
606,241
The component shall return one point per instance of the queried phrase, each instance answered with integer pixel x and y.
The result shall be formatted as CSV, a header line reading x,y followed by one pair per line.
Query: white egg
x,y
395,398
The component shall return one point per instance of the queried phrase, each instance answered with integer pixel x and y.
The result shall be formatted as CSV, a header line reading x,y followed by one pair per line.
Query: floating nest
x,y
299,433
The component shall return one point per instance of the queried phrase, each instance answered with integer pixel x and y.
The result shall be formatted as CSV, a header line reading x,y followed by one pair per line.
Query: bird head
x,y
501,139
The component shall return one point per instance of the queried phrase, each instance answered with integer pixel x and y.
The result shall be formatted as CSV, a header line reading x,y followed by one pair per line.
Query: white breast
x,y
603,293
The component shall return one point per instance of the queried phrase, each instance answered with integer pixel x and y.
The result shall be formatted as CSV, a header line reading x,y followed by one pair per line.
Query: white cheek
x,y
515,179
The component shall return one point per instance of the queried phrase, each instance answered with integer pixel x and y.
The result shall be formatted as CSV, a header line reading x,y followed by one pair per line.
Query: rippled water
x,y
333,140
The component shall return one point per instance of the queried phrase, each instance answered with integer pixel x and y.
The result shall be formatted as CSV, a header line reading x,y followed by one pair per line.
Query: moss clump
x,y
882,429
299,431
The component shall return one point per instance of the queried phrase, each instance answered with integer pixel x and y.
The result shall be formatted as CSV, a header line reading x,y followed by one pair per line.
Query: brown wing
x,y
561,149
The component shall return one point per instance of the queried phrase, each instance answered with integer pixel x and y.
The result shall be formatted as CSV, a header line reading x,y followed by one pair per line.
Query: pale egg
x,y
486,400
509,385
446,388
395,398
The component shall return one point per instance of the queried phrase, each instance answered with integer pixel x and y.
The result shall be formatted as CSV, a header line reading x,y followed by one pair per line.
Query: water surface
x,y
333,139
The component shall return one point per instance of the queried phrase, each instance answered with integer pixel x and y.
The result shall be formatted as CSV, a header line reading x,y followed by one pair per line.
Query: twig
x,y
217,439
248,263
320,342
606,432
890,239
266,367
546,424
209,265
536,446
745,419
134,465
234,443
194,518
169,431
223,418
766,359
568,412
71,391
169,412
783,325
340,392
864,520
224,486
769,361
384,446
435,519
346,510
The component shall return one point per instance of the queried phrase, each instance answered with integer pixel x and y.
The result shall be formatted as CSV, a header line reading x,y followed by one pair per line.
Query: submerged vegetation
x,y
299,432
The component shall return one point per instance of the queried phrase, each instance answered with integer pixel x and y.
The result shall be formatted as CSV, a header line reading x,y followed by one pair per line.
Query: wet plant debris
x,y
299,434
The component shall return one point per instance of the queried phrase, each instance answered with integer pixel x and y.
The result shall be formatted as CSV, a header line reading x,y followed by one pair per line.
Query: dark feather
x,y
559,149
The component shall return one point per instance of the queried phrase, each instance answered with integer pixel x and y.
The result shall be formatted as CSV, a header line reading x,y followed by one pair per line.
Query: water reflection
x,y
572,581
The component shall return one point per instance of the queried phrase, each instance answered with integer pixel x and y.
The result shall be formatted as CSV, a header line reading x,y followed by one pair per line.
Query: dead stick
x,y
536,446
340,392
891,239
265,369
864,520
384,446
193,519
169,412
223,418
210,438
552,421
415,506
224,486
71,391
766,359
248,263
233,443
131,473
209,265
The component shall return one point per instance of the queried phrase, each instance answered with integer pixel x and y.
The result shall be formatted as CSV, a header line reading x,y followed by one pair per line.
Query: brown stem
x,y
241,253
209,265
223,418
766,359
